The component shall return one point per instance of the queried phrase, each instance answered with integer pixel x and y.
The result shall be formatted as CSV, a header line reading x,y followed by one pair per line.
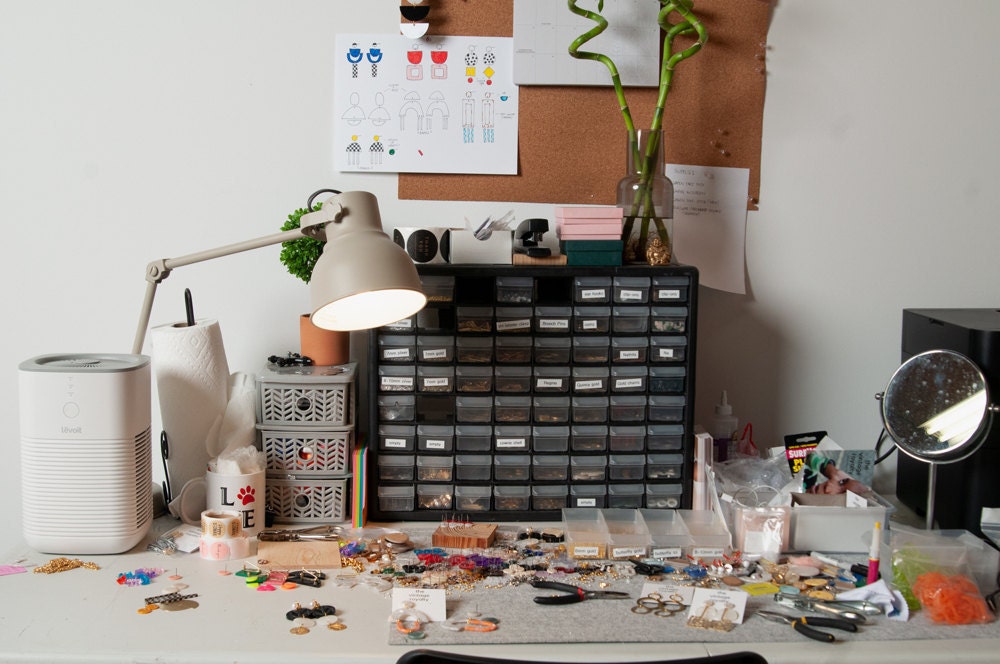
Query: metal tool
x,y
805,625
856,612
573,594
318,533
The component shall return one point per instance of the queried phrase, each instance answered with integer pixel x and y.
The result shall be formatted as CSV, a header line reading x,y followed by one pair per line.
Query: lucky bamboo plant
x,y
675,18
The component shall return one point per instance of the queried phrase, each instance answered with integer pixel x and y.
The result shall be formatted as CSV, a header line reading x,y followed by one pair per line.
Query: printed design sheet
x,y
440,104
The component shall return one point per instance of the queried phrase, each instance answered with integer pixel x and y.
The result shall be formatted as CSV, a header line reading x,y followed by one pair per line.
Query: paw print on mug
x,y
246,495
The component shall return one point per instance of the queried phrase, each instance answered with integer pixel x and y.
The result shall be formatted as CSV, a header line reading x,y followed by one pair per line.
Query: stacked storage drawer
x,y
305,426
520,391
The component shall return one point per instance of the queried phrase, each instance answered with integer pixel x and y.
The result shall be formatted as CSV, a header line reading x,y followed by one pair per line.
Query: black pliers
x,y
804,625
573,594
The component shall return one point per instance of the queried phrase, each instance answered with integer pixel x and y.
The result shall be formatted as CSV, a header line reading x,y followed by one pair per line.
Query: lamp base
x,y
323,347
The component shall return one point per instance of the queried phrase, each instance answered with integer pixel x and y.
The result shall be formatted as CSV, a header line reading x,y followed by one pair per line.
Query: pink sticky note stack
x,y
589,223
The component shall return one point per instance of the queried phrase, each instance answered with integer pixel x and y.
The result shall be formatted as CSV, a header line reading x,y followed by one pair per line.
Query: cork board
x,y
572,139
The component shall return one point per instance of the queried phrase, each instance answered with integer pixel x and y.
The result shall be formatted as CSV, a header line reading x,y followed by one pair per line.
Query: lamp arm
x,y
159,270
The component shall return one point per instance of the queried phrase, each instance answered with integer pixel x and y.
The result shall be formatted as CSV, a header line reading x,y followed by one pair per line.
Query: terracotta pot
x,y
324,347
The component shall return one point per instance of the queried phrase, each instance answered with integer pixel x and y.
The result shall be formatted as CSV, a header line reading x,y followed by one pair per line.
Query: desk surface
x,y
83,615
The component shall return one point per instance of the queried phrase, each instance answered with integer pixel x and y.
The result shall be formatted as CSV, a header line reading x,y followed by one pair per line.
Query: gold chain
x,y
62,565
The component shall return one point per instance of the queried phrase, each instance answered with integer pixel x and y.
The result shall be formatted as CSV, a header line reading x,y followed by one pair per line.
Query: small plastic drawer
x,y
435,469
552,379
550,439
628,438
552,350
670,290
436,320
435,438
589,438
474,350
588,468
628,408
511,498
472,498
397,407
435,348
407,324
435,496
664,466
550,468
586,532
474,409
668,320
513,350
511,438
592,290
515,290
473,379
629,350
307,452
588,495
590,380
551,410
473,467
471,320
664,437
626,467
396,498
511,467
666,408
626,496
590,410
549,497
435,379
396,467
397,437
513,320
667,349
630,320
512,380
663,496
553,320
631,290
628,532
666,527
512,409
393,348
667,380
628,379
438,288
473,438
397,379
596,320
591,350
708,531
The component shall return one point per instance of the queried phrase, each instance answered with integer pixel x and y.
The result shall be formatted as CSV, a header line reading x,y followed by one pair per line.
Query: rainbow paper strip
x,y
359,507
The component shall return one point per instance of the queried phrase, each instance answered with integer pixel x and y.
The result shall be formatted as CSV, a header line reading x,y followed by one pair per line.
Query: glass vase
x,y
646,197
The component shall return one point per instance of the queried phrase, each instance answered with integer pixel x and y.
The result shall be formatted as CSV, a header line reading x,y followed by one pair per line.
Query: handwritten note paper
x,y
710,216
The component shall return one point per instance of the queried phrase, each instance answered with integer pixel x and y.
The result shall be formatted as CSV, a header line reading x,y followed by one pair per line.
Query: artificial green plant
x,y
675,18
300,255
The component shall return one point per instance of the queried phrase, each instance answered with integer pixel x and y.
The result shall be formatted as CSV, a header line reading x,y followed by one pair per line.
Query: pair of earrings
x,y
306,617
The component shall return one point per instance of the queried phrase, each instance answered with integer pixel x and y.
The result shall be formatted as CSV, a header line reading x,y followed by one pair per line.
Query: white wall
x,y
134,130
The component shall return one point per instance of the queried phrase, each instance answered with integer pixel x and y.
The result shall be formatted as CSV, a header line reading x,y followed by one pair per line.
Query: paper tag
x,y
628,355
506,325
553,324
667,589
397,381
593,294
586,502
588,324
666,353
436,382
436,354
434,444
627,551
395,353
550,383
854,500
588,384
426,600
394,442
624,383
511,442
668,294
708,552
710,604
186,538
625,295
667,552
405,324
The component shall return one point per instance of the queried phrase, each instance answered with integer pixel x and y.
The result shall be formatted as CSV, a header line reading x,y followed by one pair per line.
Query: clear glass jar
x,y
646,196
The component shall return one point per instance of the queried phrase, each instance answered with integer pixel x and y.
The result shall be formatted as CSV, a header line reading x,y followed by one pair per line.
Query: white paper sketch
x,y
394,98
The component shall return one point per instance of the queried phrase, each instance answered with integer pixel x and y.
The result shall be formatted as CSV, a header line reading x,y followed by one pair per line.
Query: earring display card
x,y
512,395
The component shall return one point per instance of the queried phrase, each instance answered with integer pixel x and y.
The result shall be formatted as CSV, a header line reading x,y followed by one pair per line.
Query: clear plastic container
x,y
592,290
552,350
589,438
513,350
708,530
435,496
667,349
629,350
588,468
397,437
435,468
474,409
401,348
664,437
473,438
590,410
512,380
511,438
474,319
549,497
631,290
551,410
395,498
626,467
667,380
663,496
513,320
586,533
473,467
628,408
552,379
550,468
591,350
515,290
438,288
550,439
592,320
628,532
511,467
407,324
435,379
628,438
511,498
590,380
512,409
666,408
626,496
668,320
668,532
630,320
473,378
670,290
435,348
472,498
474,350
628,379
435,437
553,320
397,407
396,467
436,320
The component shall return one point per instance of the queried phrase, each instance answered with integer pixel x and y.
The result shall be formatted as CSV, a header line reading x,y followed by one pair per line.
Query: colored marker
x,y
873,553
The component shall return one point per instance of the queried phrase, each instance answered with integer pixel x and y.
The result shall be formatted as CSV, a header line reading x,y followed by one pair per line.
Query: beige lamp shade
x,y
362,279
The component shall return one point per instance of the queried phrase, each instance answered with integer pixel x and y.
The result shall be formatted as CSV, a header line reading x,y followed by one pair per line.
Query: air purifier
x,y
86,457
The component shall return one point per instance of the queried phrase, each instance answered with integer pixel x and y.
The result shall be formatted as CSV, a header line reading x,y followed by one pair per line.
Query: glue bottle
x,y
724,426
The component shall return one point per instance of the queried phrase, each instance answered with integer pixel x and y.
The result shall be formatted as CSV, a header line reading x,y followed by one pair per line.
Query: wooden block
x,y
300,555
524,259
465,536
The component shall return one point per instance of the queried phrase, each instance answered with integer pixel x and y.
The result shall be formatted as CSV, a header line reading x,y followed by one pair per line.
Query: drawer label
x,y
627,551
507,325
624,295
586,502
436,382
397,381
589,324
396,353
553,324
628,355
668,294
436,354
593,294
434,444
394,442
667,552
707,552
550,383
667,353
624,383
589,384
509,443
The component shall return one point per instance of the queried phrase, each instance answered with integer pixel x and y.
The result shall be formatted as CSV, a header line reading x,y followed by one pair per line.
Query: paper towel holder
x,y
361,280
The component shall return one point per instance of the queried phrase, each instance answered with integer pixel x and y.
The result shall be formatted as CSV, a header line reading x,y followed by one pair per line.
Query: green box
x,y
568,246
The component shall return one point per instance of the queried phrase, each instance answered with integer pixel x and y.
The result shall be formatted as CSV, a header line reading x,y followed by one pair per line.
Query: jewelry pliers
x,y
573,594
805,625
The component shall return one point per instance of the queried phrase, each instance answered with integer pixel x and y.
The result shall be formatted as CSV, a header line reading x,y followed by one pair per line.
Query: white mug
x,y
240,493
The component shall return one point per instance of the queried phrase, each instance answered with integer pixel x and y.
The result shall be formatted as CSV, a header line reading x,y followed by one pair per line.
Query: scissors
x,y
805,625
573,594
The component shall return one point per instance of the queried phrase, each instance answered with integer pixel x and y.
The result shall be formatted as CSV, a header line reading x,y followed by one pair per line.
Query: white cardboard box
x,y
495,250
823,522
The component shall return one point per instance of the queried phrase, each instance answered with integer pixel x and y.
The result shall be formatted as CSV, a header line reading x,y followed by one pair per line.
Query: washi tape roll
x,y
220,525
224,549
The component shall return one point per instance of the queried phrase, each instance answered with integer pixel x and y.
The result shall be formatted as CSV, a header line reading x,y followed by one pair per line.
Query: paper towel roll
x,y
192,379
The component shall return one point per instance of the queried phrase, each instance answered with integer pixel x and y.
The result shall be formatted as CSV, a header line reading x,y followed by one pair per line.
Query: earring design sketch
x,y
379,115
375,151
354,56
354,115
439,69
414,71
488,119
489,59
374,56
468,118
411,104
354,151
437,106
471,60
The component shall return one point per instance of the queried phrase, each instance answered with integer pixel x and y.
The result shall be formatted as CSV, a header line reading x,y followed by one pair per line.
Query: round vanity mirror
x,y
936,408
